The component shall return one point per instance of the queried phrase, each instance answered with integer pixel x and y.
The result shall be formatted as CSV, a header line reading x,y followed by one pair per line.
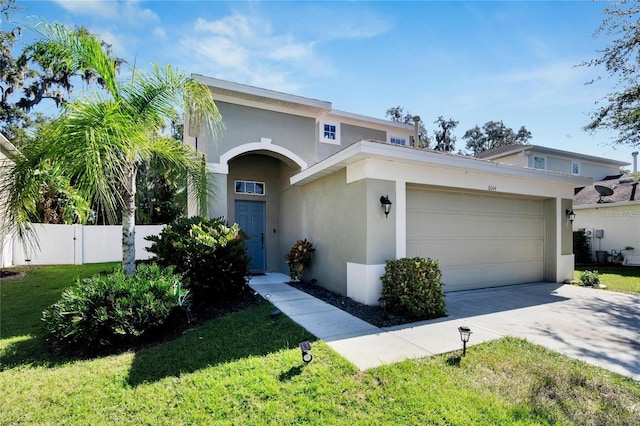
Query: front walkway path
x,y
602,328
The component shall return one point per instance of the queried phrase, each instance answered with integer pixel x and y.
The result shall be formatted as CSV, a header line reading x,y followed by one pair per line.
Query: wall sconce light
x,y
305,347
570,215
465,333
386,204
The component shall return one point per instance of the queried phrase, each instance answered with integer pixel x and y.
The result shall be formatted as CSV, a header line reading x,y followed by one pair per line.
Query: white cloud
x,y
159,32
102,8
128,11
246,49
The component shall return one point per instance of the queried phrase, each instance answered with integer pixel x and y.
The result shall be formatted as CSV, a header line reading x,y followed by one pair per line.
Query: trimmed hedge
x,y
111,310
209,253
412,287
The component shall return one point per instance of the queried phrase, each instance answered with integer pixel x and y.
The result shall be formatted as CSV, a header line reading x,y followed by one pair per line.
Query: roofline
x,y
626,203
8,148
380,121
265,93
545,149
376,149
323,106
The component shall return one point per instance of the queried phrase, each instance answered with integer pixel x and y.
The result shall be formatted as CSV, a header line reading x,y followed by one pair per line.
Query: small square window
x,y
397,141
329,131
250,188
540,163
575,168
259,188
240,187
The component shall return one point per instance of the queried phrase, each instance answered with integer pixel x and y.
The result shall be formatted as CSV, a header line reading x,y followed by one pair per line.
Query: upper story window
x,y
398,140
330,133
575,168
249,187
540,162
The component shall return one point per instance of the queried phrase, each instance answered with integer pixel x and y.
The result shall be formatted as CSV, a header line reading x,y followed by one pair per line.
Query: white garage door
x,y
481,240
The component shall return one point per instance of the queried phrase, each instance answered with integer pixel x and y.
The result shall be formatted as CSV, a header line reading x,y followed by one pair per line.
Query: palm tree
x,y
99,141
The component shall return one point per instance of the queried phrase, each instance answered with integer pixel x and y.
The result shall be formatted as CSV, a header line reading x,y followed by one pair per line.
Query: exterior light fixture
x,y
386,204
305,347
570,215
465,333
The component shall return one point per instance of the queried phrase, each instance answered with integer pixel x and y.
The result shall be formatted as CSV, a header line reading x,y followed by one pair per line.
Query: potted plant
x,y
299,258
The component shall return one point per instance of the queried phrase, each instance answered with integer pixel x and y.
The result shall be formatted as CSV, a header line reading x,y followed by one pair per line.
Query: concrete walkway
x,y
598,327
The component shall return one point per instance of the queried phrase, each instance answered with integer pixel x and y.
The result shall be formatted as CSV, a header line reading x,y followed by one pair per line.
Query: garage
x,y
481,239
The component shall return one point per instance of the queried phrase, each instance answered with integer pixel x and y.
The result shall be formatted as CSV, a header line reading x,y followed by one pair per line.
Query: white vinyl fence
x,y
75,245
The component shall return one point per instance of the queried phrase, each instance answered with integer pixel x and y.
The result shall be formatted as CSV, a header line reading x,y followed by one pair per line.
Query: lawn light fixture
x,y
386,204
305,347
570,215
465,333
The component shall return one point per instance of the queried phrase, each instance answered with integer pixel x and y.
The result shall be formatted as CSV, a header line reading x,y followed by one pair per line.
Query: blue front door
x,y
251,218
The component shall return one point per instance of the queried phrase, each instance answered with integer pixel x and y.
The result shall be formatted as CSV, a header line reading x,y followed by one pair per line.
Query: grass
x,y
245,368
624,279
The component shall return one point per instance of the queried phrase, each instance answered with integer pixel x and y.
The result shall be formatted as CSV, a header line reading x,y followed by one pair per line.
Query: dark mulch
x,y
4,274
374,315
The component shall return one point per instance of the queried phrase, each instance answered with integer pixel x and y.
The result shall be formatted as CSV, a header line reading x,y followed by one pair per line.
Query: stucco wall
x,y
620,223
335,222
245,125
349,134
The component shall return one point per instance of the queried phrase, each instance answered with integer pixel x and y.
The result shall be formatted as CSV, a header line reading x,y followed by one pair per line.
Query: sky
x,y
478,61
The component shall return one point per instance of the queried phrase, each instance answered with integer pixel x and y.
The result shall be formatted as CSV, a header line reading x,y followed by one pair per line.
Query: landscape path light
x,y
305,348
465,333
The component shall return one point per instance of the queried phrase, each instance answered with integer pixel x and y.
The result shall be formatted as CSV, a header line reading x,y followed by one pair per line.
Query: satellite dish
x,y
604,191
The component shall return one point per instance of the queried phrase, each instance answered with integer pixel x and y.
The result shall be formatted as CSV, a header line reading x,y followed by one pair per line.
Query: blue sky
x,y
470,61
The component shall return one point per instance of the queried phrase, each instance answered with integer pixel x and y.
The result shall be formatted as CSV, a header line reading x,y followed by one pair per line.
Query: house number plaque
x,y
492,188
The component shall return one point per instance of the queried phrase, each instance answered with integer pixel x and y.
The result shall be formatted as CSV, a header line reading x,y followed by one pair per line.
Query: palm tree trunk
x,y
129,225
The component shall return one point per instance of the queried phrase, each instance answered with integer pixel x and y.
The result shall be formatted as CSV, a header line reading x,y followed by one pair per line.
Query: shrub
x,y
299,258
111,310
208,252
412,287
590,278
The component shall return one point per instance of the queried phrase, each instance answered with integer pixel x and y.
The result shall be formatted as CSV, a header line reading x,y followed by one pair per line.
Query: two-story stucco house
x,y
289,167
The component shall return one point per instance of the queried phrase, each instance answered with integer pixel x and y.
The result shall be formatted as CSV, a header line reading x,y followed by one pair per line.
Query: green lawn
x,y
245,368
625,279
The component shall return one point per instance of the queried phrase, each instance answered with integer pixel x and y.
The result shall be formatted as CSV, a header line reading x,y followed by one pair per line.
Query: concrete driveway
x,y
596,326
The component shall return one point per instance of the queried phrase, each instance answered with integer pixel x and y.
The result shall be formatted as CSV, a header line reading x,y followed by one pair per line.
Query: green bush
x,y
211,255
590,278
412,287
111,310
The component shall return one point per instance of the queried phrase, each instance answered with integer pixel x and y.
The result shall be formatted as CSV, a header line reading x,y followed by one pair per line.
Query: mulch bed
x,y
374,315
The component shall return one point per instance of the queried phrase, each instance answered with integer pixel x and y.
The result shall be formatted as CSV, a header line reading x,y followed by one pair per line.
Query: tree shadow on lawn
x,y
252,332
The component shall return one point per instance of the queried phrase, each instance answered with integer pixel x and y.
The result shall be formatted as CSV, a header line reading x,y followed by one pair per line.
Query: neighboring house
x,y
7,151
608,212
289,167
543,158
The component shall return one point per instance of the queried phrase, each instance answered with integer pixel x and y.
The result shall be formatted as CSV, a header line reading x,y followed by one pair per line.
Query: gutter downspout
x,y
635,161
416,125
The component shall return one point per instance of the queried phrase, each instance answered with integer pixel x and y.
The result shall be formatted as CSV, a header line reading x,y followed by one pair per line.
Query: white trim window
x,y
330,132
575,168
249,187
397,140
539,162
